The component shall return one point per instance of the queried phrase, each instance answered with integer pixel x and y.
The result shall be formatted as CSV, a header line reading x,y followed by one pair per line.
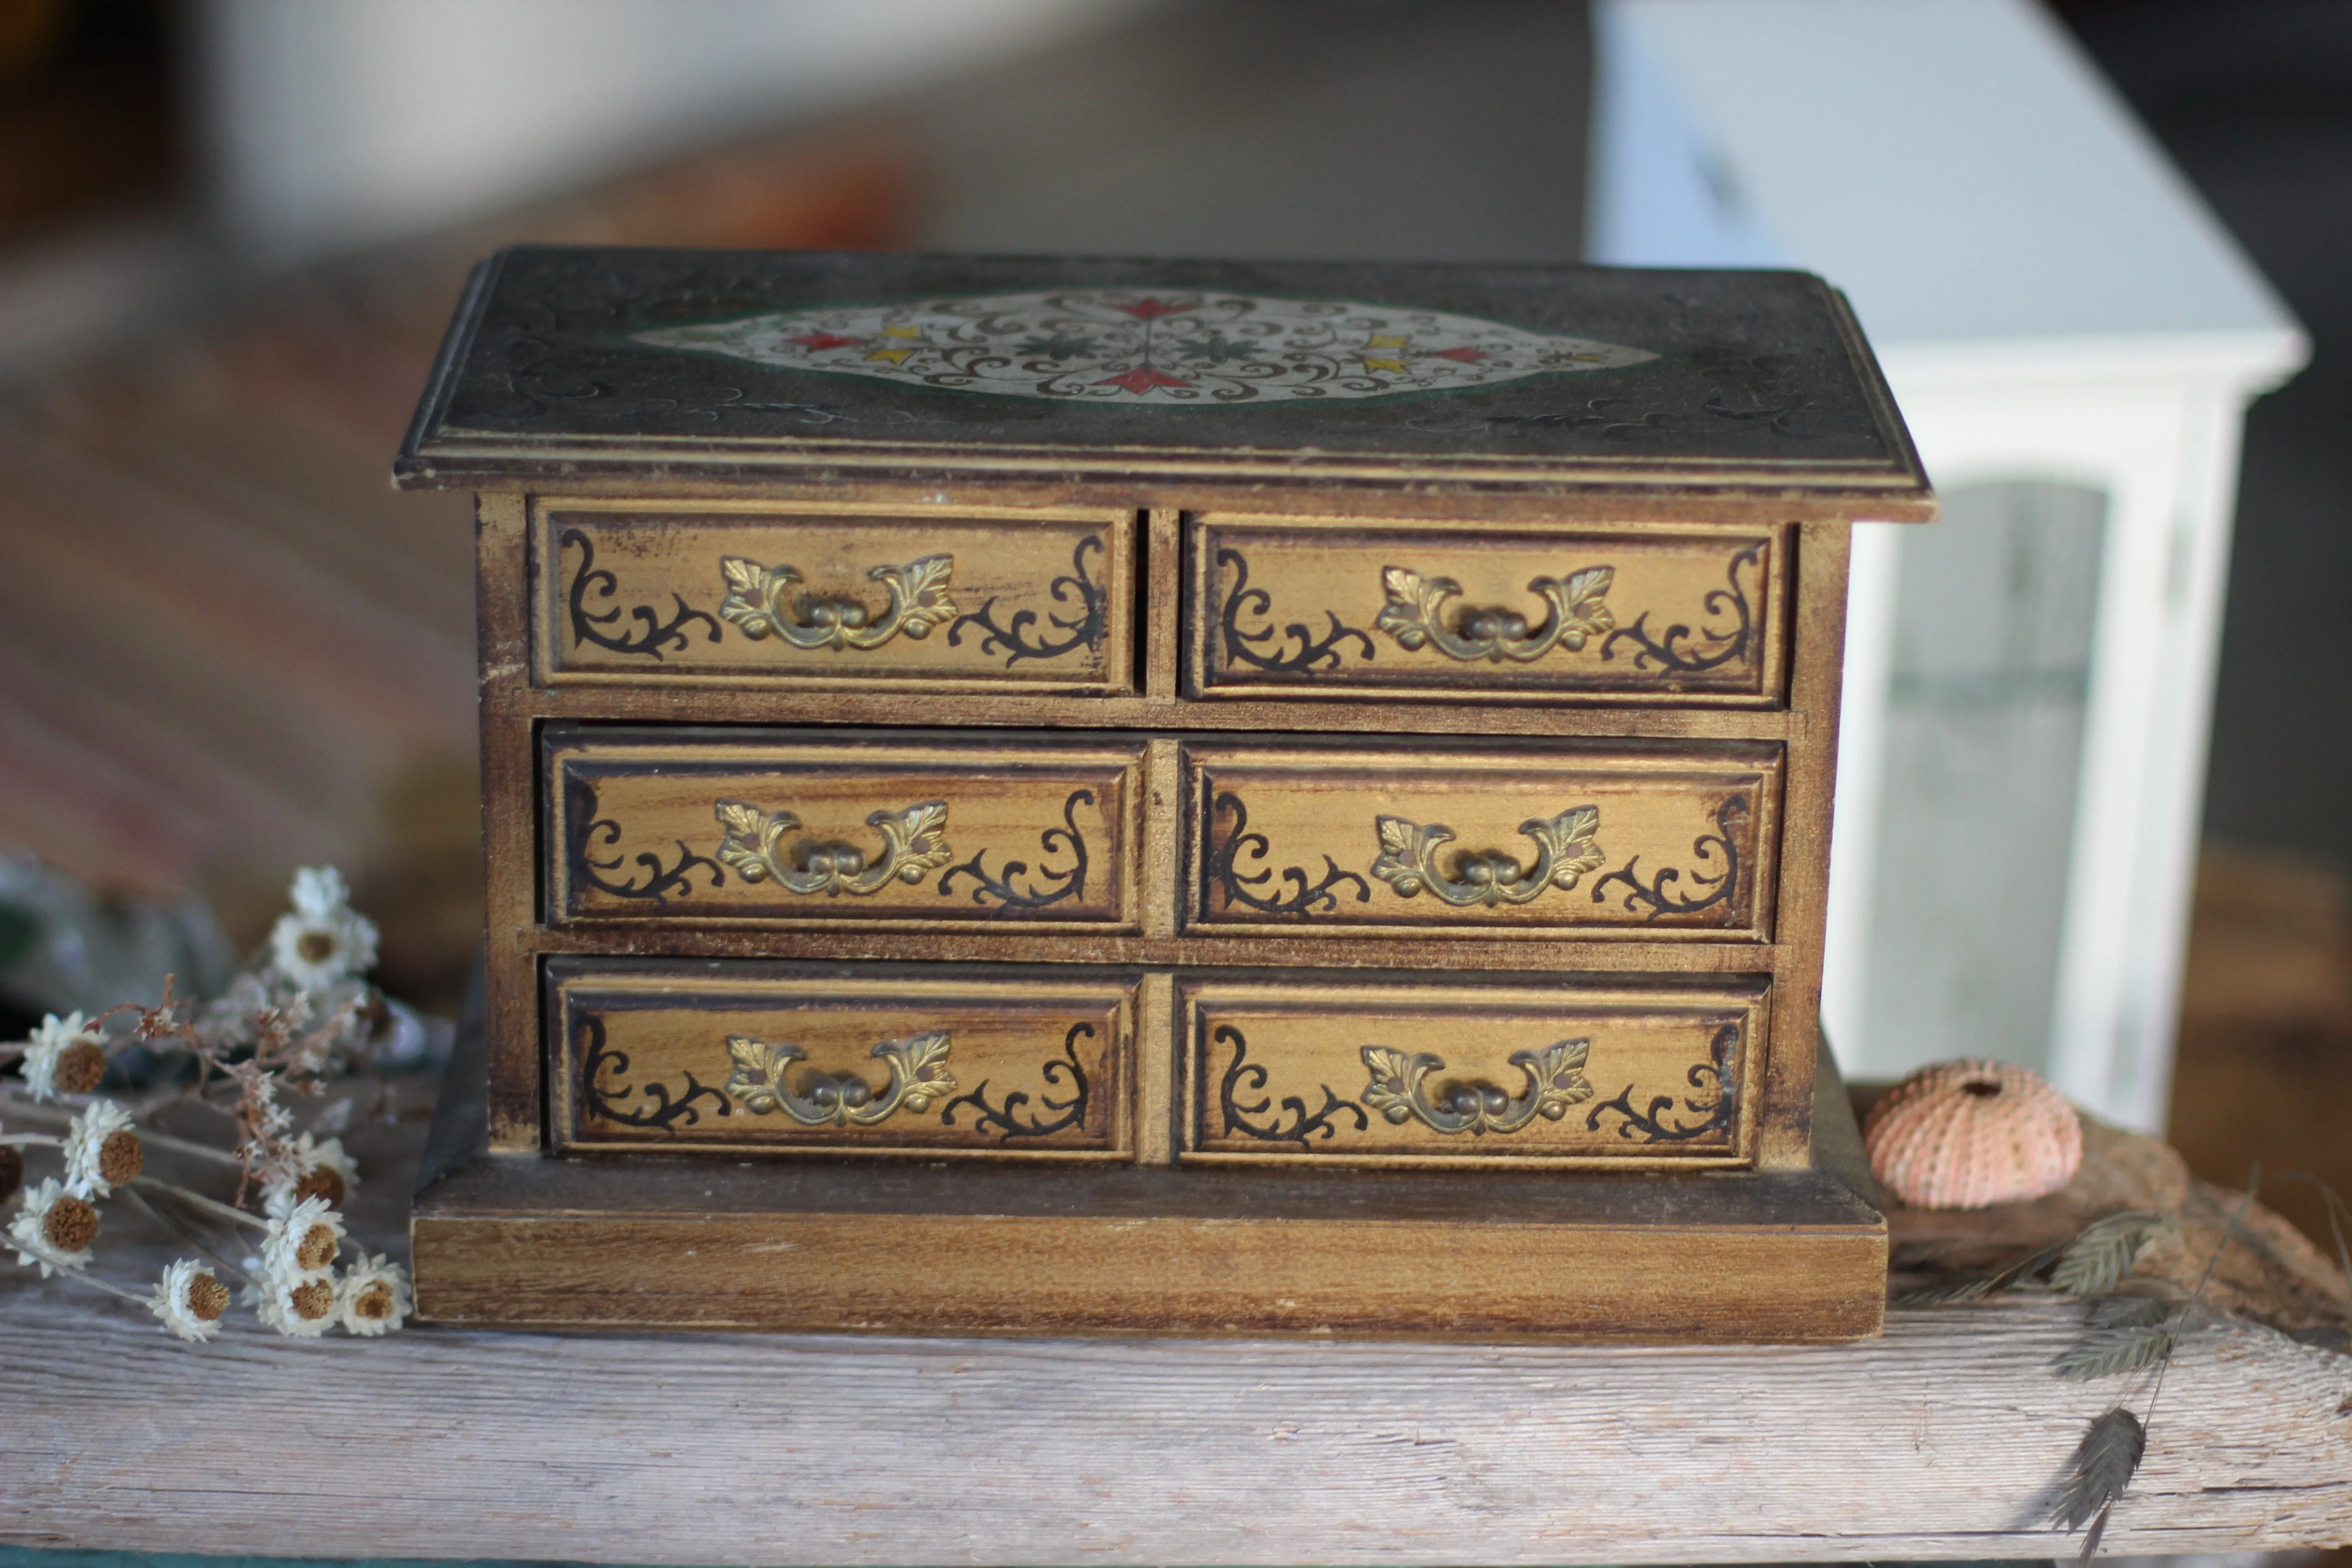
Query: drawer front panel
x,y
1597,841
1434,1075
802,599
718,1058
691,827
1633,617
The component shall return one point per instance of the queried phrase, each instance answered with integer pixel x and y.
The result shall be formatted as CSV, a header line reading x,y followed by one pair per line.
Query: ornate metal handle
x,y
914,843
1564,852
918,601
1415,615
918,1075
1555,1078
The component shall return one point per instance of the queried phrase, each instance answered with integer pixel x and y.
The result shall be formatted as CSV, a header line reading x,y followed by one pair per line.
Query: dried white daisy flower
x,y
324,939
64,1057
374,1297
302,1239
53,1229
300,1308
102,1151
312,1168
190,1299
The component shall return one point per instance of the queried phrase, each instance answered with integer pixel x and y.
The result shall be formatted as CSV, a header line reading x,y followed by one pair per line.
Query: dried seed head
x,y
206,1298
12,1171
70,1226
322,1182
374,1304
315,945
312,1300
316,1249
120,1157
80,1068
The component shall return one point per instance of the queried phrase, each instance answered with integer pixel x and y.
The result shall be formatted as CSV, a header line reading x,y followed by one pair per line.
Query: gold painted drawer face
x,y
668,1057
1566,1075
987,600
1671,618
800,828
1564,841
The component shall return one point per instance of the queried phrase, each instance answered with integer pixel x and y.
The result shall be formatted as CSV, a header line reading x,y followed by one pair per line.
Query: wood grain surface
x,y
1941,1440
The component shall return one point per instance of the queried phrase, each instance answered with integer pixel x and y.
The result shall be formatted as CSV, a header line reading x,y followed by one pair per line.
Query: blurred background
x,y
2093,815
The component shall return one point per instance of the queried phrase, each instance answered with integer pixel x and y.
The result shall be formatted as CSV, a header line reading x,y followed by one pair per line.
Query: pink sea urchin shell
x,y
1968,1134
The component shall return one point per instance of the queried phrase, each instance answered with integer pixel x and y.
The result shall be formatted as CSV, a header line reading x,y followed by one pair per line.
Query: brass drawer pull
x,y
1555,1078
1415,617
914,843
918,601
1565,850
918,1075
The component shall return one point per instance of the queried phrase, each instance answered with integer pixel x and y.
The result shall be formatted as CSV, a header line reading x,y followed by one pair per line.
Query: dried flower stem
x,y
155,1140
95,1282
31,1141
186,1234
211,1205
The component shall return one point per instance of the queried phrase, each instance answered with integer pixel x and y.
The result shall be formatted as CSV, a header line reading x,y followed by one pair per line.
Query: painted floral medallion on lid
x,y
1169,347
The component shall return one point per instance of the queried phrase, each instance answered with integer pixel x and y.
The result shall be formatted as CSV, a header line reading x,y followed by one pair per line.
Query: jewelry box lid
x,y
1251,385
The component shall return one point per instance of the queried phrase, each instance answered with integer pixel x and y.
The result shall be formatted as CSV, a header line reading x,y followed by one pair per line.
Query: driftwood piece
x,y
1943,1439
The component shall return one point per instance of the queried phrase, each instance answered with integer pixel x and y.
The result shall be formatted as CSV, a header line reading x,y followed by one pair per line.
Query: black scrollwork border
x,y
655,634
658,1108
1662,895
1304,898
1005,1117
1242,647
1016,640
1673,651
1244,1077
587,831
1651,1126
1046,887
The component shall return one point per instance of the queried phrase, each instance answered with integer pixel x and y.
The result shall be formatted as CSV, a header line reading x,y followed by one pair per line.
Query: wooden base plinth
x,y
644,1242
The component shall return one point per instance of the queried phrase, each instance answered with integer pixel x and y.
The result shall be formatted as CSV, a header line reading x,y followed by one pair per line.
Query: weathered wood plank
x,y
1939,1440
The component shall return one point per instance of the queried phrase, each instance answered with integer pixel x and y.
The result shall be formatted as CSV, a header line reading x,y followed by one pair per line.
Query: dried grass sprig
x,y
2103,1465
2112,1448
1982,1286
2107,1353
2131,1310
2106,1251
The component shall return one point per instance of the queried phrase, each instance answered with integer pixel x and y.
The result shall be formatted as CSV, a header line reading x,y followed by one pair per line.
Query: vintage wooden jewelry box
x,y
1045,795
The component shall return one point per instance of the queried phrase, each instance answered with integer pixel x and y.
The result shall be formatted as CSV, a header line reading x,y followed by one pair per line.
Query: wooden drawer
x,y
745,1057
1563,1075
984,599
798,828
1566,841
1557,614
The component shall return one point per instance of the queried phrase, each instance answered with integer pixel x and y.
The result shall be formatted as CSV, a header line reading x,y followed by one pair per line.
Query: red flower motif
x,y
1141,379
1467,356
824,341
1147,310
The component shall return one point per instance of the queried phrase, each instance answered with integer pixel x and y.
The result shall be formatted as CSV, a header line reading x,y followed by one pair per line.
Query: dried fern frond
x,y
2131,1310
1976,1287
2103,1465
2106,1251
2106,1352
